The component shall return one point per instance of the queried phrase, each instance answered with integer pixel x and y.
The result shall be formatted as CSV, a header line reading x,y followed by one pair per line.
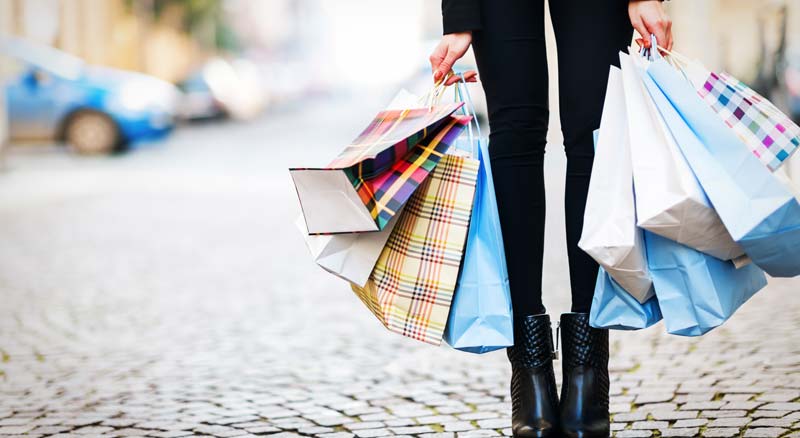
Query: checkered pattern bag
x,y
390,137
770,134
386,193
411,287
366,185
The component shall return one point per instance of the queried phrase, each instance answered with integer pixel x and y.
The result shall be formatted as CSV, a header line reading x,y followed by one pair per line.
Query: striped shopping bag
x,y
365,186
411,287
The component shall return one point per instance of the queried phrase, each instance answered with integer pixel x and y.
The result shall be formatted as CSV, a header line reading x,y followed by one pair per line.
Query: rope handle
x,y
683,59
675,59
434,96
462,95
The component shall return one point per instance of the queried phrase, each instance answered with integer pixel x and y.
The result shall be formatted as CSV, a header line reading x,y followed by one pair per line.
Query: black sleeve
x,y
461,15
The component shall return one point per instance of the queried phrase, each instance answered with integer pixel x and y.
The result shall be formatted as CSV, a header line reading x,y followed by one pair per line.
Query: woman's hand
x,y
648,17
452,47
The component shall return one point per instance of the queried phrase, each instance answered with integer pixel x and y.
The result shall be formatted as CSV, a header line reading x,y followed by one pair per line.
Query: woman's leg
x,y
510,52
589,36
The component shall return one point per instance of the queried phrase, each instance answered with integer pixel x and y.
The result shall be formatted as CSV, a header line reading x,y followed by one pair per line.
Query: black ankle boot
x,y
584,390
534,398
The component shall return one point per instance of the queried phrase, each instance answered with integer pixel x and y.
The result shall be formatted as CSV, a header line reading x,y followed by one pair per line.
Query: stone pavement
x,y
166,293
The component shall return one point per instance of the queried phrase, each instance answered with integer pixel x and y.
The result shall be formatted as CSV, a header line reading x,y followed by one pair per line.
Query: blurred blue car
x,y
94,109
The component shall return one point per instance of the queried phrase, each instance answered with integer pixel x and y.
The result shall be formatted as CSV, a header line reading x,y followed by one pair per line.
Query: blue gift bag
x,y
759,212
614,308
481,318
697,292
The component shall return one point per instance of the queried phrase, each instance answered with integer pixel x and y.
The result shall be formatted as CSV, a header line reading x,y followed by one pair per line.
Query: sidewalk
x,y
167,294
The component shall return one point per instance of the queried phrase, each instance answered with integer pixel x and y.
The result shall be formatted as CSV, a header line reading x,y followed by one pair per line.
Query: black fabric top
x,y
461,15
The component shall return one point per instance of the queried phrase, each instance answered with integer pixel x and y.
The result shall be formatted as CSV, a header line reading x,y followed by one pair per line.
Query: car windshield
x,y
44,57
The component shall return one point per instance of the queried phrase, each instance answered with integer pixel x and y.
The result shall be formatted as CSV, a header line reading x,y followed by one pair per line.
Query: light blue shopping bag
x,y
697,292
614,308
481,319
759,212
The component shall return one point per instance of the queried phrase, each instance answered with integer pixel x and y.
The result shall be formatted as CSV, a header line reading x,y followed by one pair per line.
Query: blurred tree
x,y
204,20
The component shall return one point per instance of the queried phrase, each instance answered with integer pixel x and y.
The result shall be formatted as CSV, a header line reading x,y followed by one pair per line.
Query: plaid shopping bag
x,y
411,287
770,134
374,176
385,194
389,137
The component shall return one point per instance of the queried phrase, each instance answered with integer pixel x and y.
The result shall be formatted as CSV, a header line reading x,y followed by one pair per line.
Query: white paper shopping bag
x,y
610,234
669,199
348,256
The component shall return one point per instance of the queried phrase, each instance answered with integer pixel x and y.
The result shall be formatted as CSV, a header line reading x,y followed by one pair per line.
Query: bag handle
x,y
434,96
469,105
462,95
676,60
458,97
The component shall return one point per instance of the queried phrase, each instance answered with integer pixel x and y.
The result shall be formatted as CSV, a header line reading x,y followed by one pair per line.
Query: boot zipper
x,y
558,336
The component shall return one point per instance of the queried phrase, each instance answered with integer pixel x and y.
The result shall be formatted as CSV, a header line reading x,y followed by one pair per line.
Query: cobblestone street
x,y
166,293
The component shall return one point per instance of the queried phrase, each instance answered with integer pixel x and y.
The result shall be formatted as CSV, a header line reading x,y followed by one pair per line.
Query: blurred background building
x,y
254,54
137,34
757,41
167,38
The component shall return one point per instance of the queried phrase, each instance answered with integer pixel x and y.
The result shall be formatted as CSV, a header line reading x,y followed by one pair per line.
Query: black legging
x,y
510,52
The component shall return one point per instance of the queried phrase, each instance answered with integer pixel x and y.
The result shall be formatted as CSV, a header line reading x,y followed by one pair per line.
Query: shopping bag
x,y
616,309
365,186
411,287
789,175
610,235
349,256
697,292
769,134
669,199
760,213
481,318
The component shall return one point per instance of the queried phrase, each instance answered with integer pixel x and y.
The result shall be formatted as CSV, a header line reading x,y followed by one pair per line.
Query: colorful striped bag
x,y
365,186
411,287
